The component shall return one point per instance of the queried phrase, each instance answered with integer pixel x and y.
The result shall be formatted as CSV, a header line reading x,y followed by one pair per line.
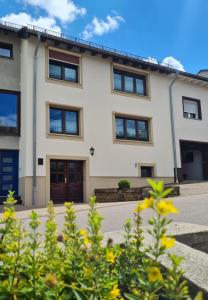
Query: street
x,y
193,209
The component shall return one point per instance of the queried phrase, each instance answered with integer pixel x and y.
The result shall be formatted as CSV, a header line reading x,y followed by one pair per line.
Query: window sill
x,y
10,134
199,119
132,142
5,57
65,136
126,94
64,82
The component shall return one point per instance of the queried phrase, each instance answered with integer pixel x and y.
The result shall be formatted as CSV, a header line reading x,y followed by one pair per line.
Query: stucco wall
x,y
10,80
95,97
189,129
10,68
98,103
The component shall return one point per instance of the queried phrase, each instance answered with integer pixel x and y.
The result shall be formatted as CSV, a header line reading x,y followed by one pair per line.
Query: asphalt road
x,y
193,209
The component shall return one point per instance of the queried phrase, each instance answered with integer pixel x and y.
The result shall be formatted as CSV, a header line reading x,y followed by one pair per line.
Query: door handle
x,y
65,180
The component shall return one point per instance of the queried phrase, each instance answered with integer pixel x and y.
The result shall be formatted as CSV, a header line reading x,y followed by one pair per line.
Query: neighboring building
x,y
92,116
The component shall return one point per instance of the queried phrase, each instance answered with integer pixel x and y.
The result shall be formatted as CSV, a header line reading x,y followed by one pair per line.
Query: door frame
x,y
86,178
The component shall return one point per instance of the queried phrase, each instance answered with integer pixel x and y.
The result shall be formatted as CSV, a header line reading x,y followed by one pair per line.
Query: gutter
x,y
173,126
34,179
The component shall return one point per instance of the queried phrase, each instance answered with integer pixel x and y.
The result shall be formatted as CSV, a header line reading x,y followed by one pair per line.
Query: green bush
x,y
124,184
77,265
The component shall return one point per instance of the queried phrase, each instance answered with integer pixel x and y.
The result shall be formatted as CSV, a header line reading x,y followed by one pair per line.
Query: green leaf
x,y
131,297
78,296
152,183
199,296
166,192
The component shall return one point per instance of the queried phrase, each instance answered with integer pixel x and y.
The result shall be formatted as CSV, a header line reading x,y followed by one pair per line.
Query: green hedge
x,y
124,184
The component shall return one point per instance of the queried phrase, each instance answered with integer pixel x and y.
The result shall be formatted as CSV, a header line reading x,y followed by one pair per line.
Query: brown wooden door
x,y
66,181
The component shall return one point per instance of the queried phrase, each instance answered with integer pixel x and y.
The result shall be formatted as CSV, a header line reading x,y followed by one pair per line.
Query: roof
x,y
95,49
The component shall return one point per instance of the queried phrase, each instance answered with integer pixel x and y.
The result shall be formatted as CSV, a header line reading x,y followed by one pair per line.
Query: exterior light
x,y
92,151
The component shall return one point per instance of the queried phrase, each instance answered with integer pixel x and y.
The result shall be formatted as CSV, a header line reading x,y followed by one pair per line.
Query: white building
x,y
75,116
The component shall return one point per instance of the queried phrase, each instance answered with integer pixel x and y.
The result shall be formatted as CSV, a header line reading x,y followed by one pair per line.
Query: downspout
x,y
173,126
34,192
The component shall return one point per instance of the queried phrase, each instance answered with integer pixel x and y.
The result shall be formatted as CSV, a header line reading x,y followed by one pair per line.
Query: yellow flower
x,y
83,232
87,271
9,215
110,257
165,207
154,274
115,292
86,241
167,242
147,203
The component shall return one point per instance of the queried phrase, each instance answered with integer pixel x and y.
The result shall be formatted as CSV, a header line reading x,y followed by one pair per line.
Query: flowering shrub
x,y
77,265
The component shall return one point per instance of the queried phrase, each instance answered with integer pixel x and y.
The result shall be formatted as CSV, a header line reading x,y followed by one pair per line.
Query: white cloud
x,y
100,27
172,62
25,19
10,120
65,10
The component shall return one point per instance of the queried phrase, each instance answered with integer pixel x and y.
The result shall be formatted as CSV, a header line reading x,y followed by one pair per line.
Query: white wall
x,y
10,80
98,103
190,129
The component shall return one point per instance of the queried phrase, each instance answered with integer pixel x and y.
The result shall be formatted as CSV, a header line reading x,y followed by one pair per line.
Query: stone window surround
x,y
79,137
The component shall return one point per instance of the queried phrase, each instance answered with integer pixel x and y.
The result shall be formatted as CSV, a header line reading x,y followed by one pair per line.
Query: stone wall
x,y
131,194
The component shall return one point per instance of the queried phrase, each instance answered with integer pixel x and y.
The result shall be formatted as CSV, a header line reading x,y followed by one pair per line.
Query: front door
x,y
8,172
66,181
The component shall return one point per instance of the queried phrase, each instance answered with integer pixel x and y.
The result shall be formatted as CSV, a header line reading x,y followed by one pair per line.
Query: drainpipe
x,y
34,192
173,126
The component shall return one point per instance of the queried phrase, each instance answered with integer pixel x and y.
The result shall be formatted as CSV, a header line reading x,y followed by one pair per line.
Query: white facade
x,y
98,103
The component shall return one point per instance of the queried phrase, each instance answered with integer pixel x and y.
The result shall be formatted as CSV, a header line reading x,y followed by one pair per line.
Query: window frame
x,y
143,164
198,102
63,121
9,47
64,65
10,130
136,119
135,76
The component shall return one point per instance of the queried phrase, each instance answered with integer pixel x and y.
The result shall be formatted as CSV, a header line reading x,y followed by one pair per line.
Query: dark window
x,y
132,129
64,121
146,171
117,82
9,112
6,50
120,128
192,108
130,82
63,71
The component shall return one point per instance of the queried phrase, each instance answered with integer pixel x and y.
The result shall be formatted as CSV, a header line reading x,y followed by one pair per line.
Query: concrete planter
x,y
128,194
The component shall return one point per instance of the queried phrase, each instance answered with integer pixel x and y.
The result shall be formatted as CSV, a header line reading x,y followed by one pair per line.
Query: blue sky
x,y
149,28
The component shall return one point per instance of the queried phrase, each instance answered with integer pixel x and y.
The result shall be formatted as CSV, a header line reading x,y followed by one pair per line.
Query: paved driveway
x,y
193,209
